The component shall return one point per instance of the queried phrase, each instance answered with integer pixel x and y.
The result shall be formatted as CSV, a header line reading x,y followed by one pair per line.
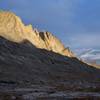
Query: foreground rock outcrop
x,y
12,28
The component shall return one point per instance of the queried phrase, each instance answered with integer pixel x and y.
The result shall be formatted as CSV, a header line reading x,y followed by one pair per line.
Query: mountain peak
x,y
13,29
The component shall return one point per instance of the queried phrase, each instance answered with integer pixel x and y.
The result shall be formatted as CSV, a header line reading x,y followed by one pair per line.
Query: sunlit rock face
x,y
12,28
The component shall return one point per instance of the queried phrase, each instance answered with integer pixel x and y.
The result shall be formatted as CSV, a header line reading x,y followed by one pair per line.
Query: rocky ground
x,y
46,93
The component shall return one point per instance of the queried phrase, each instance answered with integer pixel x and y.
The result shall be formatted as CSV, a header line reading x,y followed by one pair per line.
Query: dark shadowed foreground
x,y
28,73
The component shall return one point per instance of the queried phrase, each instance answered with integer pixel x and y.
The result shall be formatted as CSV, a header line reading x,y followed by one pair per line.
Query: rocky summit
x,y
36,66
12,28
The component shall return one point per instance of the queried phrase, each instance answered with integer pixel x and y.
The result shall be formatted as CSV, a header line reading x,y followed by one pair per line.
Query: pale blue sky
x,y
75,22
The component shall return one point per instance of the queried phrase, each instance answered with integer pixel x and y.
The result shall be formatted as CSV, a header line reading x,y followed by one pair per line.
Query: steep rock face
x,y
12,28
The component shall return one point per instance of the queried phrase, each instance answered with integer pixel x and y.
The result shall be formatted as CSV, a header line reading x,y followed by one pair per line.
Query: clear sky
x,y
75,22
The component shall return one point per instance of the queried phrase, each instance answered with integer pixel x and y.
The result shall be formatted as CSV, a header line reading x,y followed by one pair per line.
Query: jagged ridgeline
x,y
13,29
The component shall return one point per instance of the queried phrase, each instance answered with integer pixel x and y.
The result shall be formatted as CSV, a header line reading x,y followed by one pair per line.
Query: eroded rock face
x,y
12,28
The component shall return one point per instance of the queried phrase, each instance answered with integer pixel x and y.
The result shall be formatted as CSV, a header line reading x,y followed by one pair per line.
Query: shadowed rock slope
x,y
12,28
31,57
25,64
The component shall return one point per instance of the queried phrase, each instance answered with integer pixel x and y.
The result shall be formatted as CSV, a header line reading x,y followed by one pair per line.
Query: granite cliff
x,y
13,29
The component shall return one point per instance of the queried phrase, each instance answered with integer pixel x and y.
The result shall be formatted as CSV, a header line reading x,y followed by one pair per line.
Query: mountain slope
x,y
22,63
12,28
31,73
